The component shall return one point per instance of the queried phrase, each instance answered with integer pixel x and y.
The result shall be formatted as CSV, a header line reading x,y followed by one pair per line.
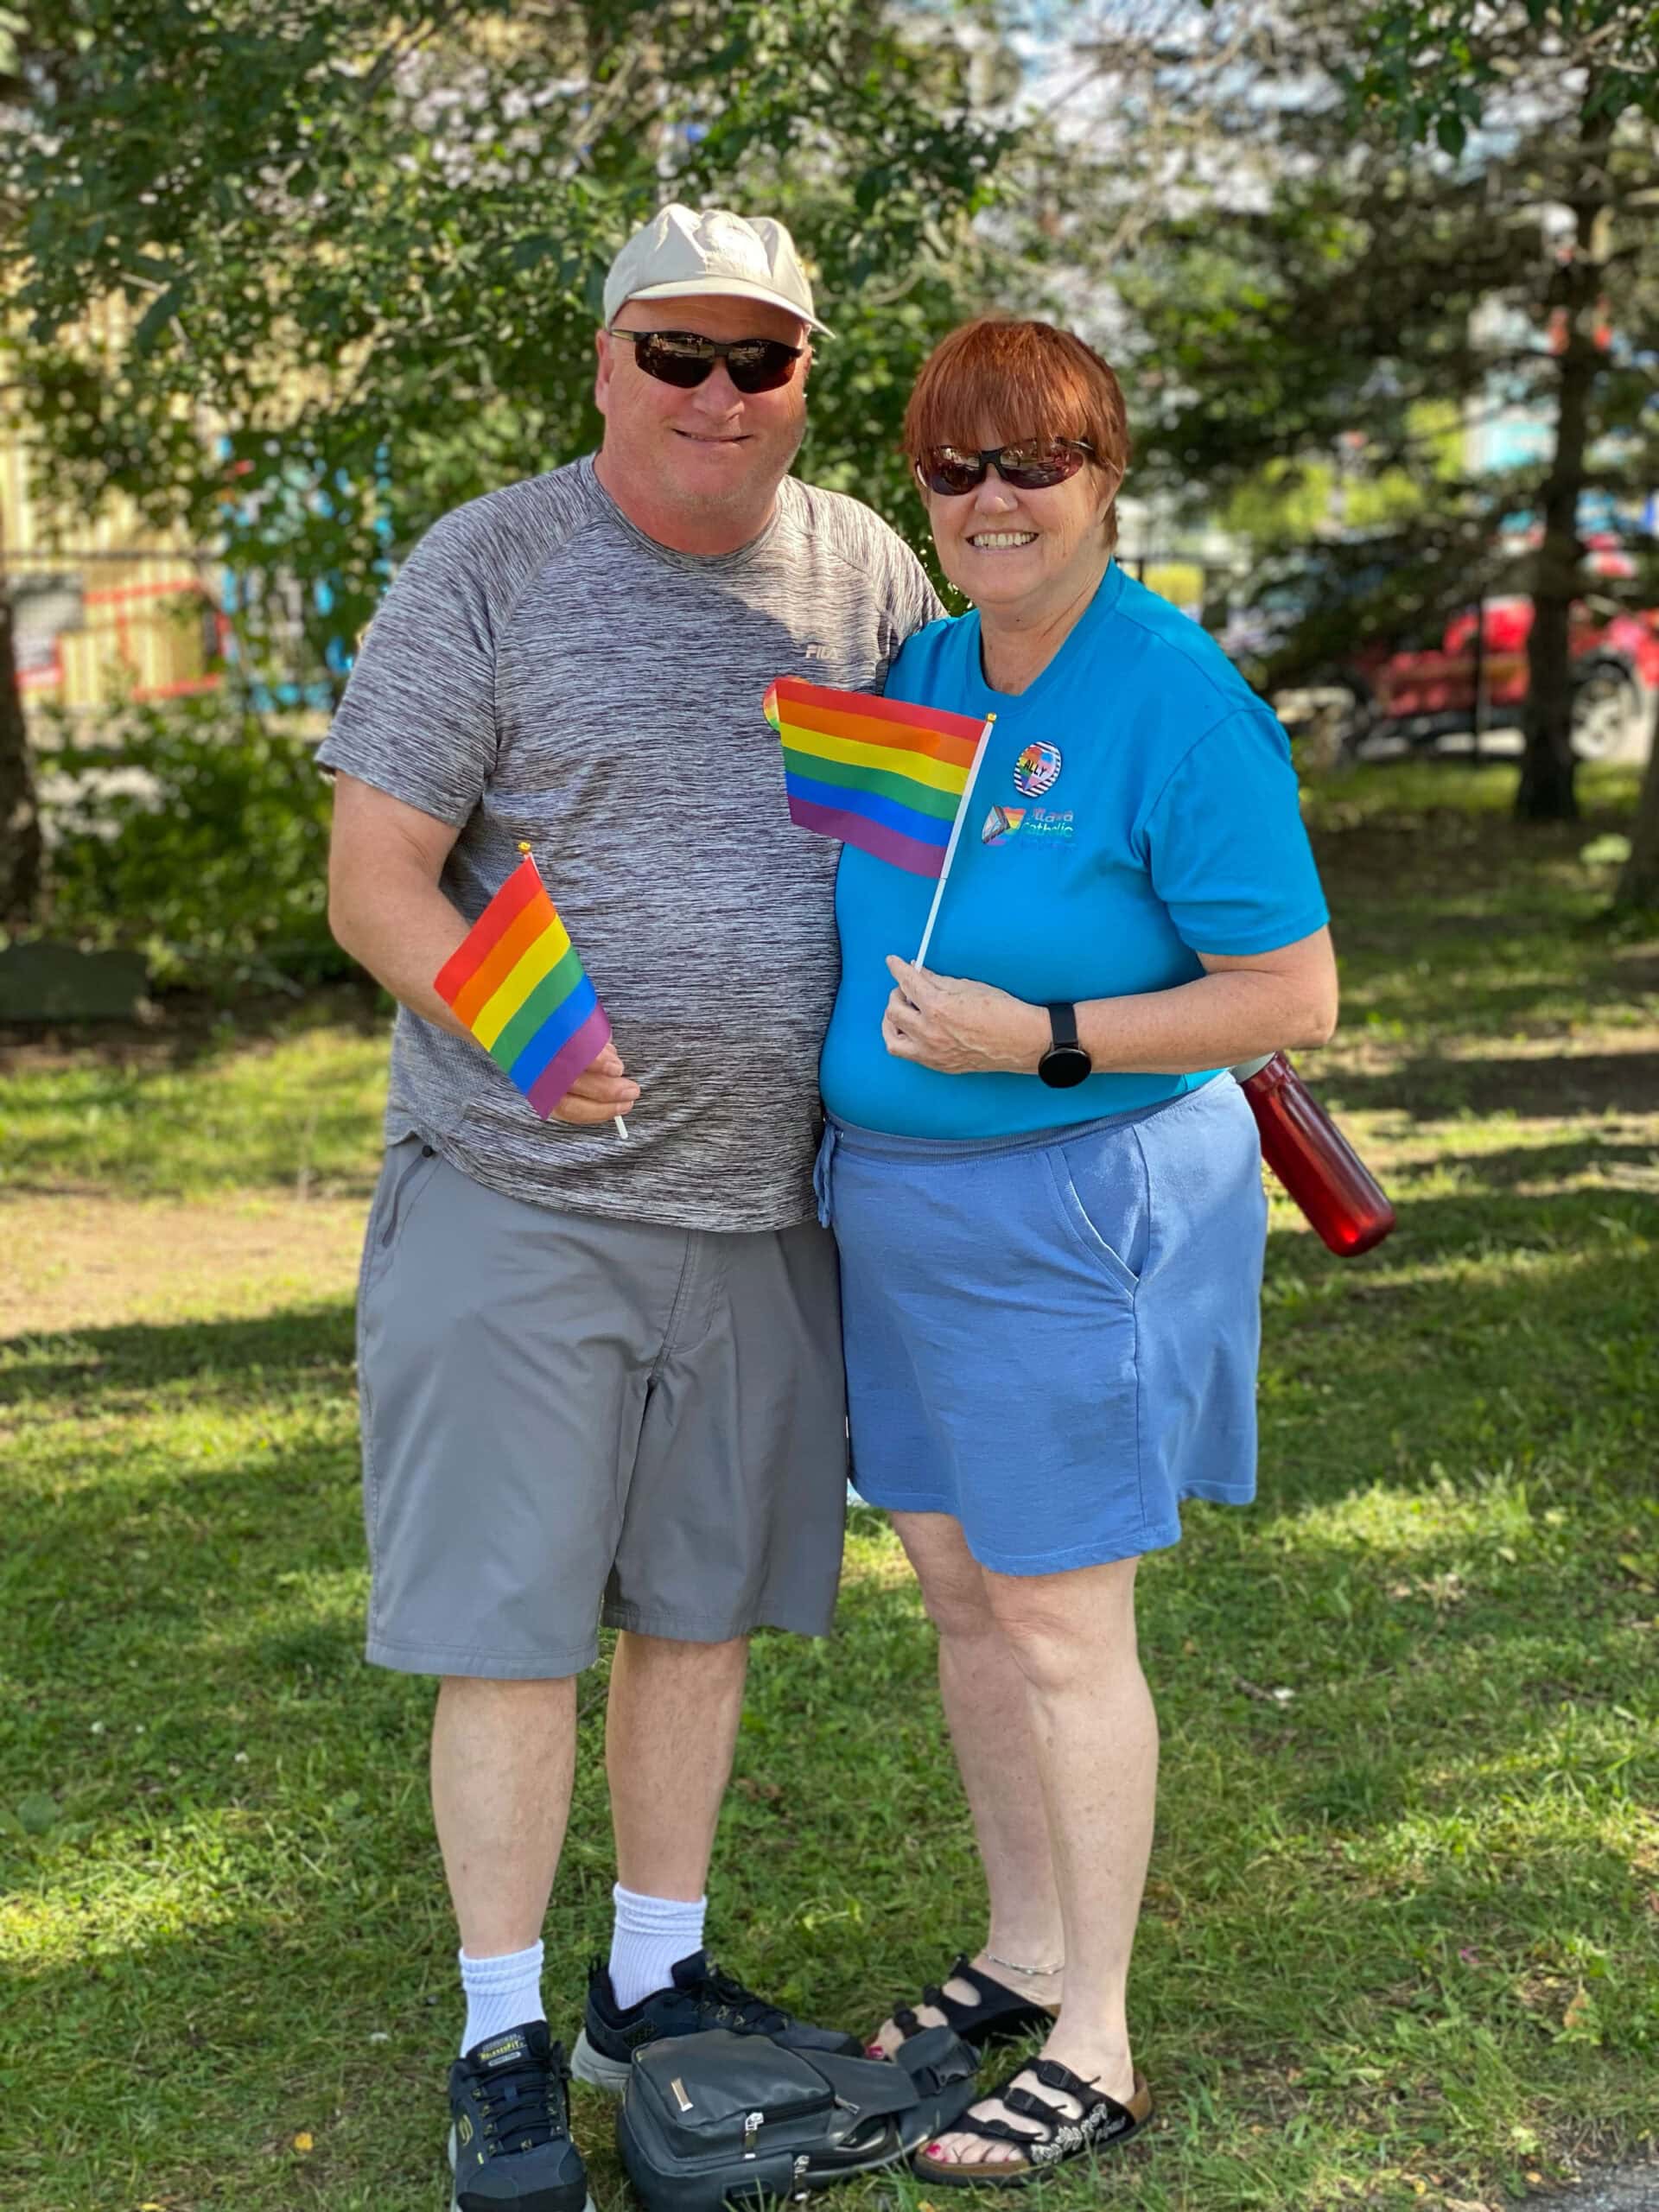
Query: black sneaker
x,y
510,2143
699,1997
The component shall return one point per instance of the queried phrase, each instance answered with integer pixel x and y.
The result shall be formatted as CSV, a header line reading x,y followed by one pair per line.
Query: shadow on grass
x,y
187,1027
1565,1087
1398,1923
238,1358
1587,1251
1379,1882
1625,1165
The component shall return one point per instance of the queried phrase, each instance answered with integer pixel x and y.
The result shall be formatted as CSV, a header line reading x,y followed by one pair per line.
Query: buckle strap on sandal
x,y
953,2008
1049,2136
1101,2117
907,2017
1053,2075
997,2130
1038,2108
1062,2134
992,2001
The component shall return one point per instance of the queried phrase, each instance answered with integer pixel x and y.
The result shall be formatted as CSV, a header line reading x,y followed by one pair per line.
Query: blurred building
x,y
102,611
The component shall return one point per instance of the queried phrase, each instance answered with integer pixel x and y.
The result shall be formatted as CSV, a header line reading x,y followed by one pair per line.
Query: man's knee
x,y
508,1690
678,1654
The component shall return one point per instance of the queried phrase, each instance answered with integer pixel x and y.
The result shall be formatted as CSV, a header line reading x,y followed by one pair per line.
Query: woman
x,y
1047,1188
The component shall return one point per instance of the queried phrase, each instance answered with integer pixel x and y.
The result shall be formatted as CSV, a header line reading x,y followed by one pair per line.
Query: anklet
x,y
1042,1973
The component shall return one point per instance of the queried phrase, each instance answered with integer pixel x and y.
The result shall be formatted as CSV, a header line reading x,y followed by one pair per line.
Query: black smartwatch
x,y
1064,1063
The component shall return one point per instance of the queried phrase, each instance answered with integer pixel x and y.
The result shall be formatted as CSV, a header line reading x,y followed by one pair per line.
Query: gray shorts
x,y
568,1419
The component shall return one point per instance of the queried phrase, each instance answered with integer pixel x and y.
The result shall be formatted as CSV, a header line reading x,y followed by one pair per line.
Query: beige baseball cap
x,y
684,252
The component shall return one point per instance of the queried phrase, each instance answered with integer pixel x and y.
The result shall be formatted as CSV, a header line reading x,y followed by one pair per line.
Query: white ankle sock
x,y
501,1992
649,1937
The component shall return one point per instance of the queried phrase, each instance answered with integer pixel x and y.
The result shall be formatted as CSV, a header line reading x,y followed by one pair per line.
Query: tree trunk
x,y
1638,880
1545,792
20,819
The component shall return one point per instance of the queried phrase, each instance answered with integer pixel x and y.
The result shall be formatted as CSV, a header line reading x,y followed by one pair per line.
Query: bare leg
x,y
669,1736
1095,1735
503,1758
987,1707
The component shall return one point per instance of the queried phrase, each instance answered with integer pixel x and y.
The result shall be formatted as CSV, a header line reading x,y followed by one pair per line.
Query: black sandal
x,y
1000,2014
1101,2122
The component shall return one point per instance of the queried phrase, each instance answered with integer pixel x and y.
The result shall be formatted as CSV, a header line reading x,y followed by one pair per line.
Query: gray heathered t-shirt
x,y
540,670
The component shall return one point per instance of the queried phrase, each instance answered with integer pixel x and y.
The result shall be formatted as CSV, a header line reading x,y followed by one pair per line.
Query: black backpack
x,y
716,2116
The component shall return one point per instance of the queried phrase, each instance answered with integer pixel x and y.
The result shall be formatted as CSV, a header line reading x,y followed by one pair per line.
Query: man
x,y
600,1378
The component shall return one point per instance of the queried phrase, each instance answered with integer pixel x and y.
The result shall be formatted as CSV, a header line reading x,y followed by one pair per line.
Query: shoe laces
x,y
726,1994
523,2103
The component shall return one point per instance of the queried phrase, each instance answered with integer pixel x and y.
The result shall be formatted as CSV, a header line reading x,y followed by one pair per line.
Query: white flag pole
x,y
956,831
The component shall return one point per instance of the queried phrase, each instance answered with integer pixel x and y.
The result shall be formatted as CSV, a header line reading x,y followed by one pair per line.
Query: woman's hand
x,y
960,1028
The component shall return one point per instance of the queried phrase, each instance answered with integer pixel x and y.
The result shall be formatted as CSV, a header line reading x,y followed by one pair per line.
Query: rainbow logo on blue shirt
x,y
1037,770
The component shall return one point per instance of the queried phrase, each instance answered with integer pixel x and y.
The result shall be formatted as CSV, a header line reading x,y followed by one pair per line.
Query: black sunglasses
x,y
680,357
1030,465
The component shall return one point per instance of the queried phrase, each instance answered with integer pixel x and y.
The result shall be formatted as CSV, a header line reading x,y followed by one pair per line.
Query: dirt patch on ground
x,y
1624,2189
84,1262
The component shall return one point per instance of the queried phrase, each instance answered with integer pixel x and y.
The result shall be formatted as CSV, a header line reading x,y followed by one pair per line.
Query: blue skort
x,y
1054,1337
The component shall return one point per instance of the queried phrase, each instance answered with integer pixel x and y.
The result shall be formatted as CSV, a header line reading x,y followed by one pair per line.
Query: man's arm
x,y
386,909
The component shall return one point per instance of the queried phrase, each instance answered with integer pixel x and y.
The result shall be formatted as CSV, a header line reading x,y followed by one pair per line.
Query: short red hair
x,y
1019,381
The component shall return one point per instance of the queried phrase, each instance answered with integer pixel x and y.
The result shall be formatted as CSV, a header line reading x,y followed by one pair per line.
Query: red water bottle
x,y
1313,1159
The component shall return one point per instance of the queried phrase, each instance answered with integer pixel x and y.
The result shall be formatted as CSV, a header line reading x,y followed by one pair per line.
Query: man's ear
x,y
604,361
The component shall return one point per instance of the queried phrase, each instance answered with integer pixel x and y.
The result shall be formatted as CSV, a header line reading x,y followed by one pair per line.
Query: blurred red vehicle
x,y
1318,637
1428,693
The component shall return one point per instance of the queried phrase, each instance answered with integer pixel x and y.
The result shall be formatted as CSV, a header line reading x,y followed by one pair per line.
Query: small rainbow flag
x,y
877,773
519,987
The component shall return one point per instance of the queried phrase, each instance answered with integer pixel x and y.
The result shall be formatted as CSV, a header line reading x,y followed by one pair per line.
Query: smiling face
x,y
1023,557
1024,554
698,469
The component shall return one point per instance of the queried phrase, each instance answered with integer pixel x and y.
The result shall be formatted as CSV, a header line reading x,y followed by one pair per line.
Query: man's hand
x,y
387,910
601,1092
960,1028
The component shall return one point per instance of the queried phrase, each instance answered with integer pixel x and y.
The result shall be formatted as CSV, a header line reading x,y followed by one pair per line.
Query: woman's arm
x,y
1241,1007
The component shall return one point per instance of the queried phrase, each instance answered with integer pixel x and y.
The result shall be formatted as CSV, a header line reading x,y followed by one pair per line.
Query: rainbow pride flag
x,y
877,773
518,984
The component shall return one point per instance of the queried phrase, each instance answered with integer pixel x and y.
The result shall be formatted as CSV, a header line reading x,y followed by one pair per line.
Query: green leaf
x,y
37,1813
156,317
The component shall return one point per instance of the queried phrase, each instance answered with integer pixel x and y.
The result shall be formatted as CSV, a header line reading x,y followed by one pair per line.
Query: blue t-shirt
x,y
1135,806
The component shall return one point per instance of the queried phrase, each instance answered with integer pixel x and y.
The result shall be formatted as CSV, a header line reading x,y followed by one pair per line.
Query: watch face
x,y
1064,1066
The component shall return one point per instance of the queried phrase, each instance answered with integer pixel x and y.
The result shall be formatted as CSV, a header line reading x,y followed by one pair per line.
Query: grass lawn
x,y
1401,1945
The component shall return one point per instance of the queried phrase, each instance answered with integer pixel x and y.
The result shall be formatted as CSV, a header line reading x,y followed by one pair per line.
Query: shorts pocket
x,y
1080,1224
